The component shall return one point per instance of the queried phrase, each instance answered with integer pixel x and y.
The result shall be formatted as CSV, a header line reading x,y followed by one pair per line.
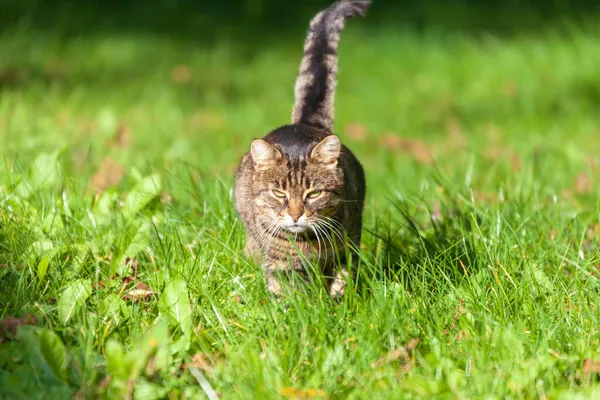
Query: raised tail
x,y
315,86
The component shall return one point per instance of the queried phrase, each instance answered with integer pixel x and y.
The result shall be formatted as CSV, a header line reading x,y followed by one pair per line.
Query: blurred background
x,y
477,122
155,83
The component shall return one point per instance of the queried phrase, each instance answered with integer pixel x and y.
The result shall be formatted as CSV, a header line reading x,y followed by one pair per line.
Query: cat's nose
x,y
295,217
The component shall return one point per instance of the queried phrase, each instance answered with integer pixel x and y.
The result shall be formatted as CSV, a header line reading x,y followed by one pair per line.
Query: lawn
x,y
122,271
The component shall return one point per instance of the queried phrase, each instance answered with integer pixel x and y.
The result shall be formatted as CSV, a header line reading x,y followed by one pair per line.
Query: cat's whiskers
x,y
273,236
318,240
265,232
334,225
332,221
324,234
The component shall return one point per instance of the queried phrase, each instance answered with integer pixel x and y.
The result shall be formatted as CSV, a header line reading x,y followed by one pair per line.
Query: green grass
x,y
488,256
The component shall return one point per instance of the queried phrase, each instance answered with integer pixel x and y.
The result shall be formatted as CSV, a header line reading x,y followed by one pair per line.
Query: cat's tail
x,y
315,86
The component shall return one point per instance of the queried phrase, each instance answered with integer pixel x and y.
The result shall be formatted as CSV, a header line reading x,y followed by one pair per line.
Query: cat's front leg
x,y
273,282
338,284
275,271
284,272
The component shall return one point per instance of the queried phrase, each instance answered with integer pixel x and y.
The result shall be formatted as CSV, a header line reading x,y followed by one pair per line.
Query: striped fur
x,y
316,83
300,192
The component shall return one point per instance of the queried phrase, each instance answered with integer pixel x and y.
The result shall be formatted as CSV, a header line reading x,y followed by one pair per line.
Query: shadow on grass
x,y
426,252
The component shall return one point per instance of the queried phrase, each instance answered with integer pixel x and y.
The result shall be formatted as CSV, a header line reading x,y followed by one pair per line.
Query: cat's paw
x,y
336,290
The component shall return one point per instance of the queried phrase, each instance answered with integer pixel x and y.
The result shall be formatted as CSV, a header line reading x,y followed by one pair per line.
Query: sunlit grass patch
x,y
121,257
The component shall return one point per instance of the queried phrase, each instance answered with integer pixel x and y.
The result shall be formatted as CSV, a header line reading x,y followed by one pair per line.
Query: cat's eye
x,y
279,193
314,195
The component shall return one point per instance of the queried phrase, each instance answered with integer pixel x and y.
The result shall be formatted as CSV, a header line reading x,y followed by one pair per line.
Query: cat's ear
x,y
264,155
327,150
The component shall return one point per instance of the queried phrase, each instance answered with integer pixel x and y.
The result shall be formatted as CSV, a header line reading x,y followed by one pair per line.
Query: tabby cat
x,y
299,191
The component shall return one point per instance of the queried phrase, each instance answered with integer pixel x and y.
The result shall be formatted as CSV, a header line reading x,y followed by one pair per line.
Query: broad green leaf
x,y
145,390
138,243
142,194
153,342
54,353
112,308
116,364
72,298
79,257
41,248
42,268
544,283
12,384
175,302
30,338
104,209
421,386
182,345
44,173
52,222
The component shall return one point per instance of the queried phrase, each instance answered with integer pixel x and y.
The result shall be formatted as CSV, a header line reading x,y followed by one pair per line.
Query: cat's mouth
x,y
296,228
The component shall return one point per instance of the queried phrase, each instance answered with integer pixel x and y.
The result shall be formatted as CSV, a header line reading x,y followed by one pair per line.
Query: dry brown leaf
x,y
583,183
132,262
412,344
99,285
199,361
151,366
567,194
104,382
436,212
496,152
9,325
399,353
356,131
407,366
140,292
181,74
166,198
590,366
462,335
460,310
515,161
16,266
391,357
416,148
109,174
122,137
571,307
593,231
493,152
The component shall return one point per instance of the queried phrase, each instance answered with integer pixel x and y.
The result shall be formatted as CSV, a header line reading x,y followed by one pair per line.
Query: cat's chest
x,y
319,248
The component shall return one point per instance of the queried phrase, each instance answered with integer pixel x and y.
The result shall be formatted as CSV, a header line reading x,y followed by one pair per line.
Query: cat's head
x,y
297,190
